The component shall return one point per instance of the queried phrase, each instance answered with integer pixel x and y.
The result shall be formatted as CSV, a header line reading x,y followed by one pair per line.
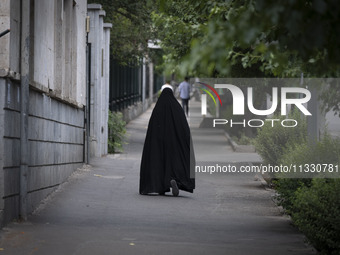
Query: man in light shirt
x,y
184,93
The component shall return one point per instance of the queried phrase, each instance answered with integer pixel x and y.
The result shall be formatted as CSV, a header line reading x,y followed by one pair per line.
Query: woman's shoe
x,y
175,190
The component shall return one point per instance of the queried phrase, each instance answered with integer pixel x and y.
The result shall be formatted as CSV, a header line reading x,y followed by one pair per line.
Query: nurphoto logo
x,y
289,97
204,97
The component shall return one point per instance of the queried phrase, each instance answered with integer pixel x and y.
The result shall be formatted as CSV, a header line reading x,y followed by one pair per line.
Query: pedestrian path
x,y
209,141
99,211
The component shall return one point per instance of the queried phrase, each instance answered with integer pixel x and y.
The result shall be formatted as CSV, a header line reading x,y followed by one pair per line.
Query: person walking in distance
x,y
184,93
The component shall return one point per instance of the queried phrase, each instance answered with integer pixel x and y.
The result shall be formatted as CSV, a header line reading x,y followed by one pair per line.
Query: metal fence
x,y
125,84
158,81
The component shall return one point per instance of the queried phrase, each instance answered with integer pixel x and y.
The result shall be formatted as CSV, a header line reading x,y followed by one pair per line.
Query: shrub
x,y
327,151
314,204
317,210
117,131
286,189
272,142
243,140
235,130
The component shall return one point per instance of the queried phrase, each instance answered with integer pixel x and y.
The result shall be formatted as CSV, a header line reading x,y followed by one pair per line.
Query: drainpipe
x,y
24,93
88,89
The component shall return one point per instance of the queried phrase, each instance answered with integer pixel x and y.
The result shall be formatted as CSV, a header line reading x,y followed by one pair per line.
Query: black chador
x,y
168,154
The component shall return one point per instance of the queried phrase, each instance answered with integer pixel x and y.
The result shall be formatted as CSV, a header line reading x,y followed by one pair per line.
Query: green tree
x,y
131,27
252,38
284,37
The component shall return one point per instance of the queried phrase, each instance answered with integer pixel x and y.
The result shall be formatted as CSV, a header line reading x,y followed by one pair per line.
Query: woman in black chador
x,y
168,155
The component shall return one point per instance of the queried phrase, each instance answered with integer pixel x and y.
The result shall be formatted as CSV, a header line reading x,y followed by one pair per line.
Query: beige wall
x,y
4,41
58,43
59,53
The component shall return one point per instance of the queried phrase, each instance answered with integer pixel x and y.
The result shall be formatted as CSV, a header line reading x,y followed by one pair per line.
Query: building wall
x,y
5,40
2,148
59,49
99,37
57,97
55,146
106,82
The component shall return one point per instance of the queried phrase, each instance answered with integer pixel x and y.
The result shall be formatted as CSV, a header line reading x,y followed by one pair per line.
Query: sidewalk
x,y
209,141
99,211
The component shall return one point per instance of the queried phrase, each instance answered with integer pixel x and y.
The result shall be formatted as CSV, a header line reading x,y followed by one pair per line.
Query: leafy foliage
x,y
313,203
272,142
286,189
243,140
284,37
177,24
325,151
331,97
131,27
316,213
252,38
117,131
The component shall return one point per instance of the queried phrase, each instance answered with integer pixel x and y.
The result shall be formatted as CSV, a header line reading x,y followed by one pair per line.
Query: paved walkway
x,y
99,211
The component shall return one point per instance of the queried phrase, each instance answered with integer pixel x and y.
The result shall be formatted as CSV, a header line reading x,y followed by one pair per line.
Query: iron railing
x,y
125,84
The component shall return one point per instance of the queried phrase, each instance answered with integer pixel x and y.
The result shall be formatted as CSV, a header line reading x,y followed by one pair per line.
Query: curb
x,y
231,142
239,148
259,177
